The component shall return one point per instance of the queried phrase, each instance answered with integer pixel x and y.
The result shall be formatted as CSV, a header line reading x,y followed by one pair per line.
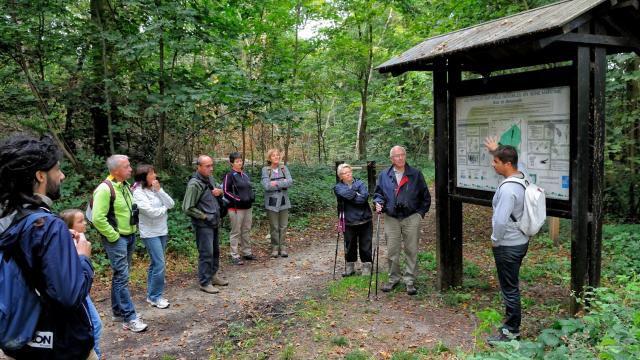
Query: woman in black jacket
x,y
352,195
238,190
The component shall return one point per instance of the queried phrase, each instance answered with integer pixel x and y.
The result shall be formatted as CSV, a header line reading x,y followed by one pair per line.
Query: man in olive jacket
x,y
201,205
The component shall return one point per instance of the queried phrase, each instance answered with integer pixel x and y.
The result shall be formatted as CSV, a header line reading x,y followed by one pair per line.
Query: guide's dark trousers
x,y
508,260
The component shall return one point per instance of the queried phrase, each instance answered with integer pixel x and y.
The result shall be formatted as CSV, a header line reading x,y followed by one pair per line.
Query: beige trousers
x,y
240,232
402,232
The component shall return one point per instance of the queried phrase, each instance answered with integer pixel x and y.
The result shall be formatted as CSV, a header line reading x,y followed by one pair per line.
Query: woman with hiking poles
x,y
276,179
352,196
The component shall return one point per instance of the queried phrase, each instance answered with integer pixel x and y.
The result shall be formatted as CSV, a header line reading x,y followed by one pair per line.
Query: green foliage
x,y
621,250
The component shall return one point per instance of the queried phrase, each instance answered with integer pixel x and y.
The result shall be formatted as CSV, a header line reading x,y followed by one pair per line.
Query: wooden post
x,y
440,102
455,206
448,213
580,164
554,230
599,74
371,177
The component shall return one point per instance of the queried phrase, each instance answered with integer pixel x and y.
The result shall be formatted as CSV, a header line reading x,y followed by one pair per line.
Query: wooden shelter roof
x,y
542,35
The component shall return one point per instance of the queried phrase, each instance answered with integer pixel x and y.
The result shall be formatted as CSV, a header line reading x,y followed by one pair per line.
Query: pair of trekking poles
x,y
376,253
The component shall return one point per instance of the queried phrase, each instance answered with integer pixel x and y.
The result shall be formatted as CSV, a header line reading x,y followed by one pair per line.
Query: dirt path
x,y
197,324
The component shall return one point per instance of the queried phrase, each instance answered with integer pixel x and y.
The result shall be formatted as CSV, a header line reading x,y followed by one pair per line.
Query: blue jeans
x,y
97,326
156,247
120,254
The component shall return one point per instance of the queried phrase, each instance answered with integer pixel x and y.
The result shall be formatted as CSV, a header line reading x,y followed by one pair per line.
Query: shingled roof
x,y
521,38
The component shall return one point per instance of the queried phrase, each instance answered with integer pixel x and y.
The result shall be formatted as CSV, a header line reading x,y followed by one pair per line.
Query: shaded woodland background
x,y
163,81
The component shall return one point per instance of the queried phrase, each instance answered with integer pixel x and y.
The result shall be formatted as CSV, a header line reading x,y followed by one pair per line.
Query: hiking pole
x,y
373,258
339,229
335,258
377,253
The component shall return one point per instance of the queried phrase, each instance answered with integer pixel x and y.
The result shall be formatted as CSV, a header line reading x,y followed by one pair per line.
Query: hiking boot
x,y
249,257
283,252
366,269
161,303
349,269
135,325
503,335
274,252
237,261
209,289
218,281
386,287
411,289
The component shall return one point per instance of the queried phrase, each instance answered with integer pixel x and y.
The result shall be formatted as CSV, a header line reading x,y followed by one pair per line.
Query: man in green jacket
x,y
116,219
201,205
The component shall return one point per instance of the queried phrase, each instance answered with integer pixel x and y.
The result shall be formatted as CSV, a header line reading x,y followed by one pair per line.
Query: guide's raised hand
x,y
491,143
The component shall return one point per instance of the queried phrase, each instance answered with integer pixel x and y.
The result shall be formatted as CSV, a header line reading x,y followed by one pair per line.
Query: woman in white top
x,y
153,204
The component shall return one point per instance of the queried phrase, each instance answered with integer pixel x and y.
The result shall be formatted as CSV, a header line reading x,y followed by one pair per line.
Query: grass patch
x,y
470,270
354,286
358,355
236,329
340,341
312,310
404,355
288,353
437,349
454,298
427,261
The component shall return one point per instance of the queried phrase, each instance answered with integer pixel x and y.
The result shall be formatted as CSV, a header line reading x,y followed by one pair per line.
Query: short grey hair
x,y
397,147
201,158
113,161
341,167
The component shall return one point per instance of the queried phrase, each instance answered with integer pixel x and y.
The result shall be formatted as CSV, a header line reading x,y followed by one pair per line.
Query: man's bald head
x,y
205,165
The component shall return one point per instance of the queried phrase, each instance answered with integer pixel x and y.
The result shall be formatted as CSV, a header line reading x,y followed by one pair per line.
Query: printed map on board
x,y
535,122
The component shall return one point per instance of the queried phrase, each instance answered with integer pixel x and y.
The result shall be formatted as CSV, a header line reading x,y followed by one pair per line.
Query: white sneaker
x,y
135,325
161,303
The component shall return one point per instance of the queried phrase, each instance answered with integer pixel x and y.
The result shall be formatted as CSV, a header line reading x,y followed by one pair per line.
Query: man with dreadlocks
x,y
59,269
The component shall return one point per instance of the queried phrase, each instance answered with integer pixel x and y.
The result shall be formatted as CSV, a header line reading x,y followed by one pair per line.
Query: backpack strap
x,y
14,251
515,181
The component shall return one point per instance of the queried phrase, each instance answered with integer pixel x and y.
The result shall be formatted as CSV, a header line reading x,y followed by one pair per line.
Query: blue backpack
x,y
20,301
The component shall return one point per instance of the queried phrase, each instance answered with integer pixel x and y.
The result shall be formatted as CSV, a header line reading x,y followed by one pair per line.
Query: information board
x,y
535,122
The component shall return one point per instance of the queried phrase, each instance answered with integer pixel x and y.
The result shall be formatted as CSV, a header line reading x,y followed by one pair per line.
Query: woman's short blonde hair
x,y
341,168
271,152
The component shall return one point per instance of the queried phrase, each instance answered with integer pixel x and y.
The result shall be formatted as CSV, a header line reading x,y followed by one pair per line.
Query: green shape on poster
x,y
512,137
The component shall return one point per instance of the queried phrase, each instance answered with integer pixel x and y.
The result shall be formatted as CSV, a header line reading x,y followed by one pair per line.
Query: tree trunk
x,y
244,140
159,158
296,49
102,134
633,91
361,142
